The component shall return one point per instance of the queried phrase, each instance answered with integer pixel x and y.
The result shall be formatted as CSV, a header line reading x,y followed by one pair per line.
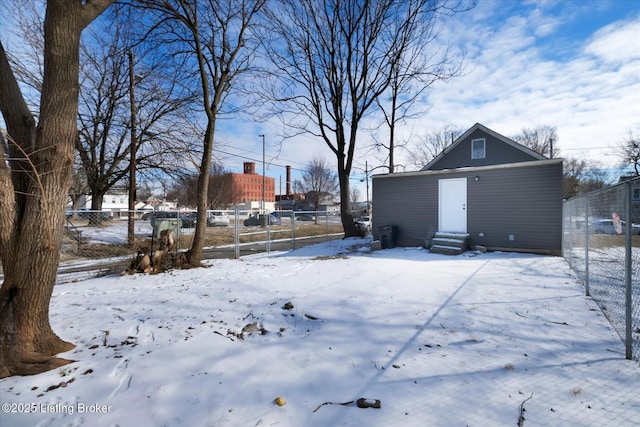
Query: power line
x,y
257,160
583,149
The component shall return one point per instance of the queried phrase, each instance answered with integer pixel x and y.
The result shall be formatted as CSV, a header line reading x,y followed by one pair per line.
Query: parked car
x,y
365,222
303,216
605,226
186,220
217,219
257,219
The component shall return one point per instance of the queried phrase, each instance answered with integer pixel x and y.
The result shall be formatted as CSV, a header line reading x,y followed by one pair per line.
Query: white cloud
x,y
591,92
617,42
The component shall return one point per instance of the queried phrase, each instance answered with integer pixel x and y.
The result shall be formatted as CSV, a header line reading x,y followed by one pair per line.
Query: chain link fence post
x,y
586,247
627,276
293,230
236,233
611,262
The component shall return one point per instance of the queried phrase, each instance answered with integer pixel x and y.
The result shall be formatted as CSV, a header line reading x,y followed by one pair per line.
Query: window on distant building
x,y
478,148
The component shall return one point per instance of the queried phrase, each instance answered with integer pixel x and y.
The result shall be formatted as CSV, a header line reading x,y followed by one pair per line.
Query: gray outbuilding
x,y
497,193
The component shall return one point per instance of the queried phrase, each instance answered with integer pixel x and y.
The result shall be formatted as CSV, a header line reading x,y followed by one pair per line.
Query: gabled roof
x,y
488,131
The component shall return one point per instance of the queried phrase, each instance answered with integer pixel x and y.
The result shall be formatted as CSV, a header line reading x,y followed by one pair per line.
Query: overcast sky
x,y
570,64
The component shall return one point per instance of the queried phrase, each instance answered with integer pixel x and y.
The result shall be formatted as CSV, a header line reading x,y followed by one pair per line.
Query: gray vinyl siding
x,y
525,201
409,202
497,152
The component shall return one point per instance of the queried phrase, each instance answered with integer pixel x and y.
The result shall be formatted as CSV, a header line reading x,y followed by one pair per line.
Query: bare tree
x,y
221,194
34,183
330,61
629,152
542,139
415,64
211,37
433,143
104,144
572,171
594,177
144,191
355,195
317,182
581,176
27,61
78,187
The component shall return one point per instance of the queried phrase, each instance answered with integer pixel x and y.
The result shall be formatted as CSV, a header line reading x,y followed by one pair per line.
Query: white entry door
x,y
452,205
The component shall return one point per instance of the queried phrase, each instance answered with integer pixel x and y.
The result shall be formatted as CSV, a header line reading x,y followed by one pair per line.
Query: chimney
x,y
249,168
288,180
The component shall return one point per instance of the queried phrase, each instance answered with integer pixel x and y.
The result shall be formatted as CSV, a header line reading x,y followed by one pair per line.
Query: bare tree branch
x,y
317,182
416,64
213,38
433,143
329,62
628,151
104,145
542,139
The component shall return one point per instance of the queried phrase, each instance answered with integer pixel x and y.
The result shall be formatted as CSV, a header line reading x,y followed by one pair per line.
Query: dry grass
x,y
220,236
88,250
604,241
215,236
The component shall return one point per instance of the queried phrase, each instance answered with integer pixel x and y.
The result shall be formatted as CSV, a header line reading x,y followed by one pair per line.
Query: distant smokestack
x,y
249,168
288,180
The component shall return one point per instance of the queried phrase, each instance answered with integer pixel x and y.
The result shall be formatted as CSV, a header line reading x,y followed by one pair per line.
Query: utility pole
x,y
280,191
263,179
132,162
366,175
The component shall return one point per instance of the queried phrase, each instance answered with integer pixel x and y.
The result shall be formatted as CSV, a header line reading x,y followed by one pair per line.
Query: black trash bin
x,y
388,236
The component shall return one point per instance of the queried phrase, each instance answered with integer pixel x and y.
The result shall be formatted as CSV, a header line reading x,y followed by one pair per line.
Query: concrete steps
x,y
449,243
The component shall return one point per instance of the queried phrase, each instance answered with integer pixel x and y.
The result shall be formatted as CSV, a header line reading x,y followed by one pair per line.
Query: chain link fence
x,y
97,242
601,242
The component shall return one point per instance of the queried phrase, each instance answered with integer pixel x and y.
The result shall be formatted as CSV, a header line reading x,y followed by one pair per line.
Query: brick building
x,y
247,188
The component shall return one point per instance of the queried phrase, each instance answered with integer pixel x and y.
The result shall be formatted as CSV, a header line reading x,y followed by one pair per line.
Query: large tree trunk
x,y
195,253
97,196
345,202
95,216
38,185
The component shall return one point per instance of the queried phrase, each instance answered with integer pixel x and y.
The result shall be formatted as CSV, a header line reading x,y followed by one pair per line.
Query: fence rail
x,y
97,241
601,242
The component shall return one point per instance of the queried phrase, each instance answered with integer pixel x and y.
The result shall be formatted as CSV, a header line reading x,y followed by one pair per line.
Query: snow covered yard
x,y
477,340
